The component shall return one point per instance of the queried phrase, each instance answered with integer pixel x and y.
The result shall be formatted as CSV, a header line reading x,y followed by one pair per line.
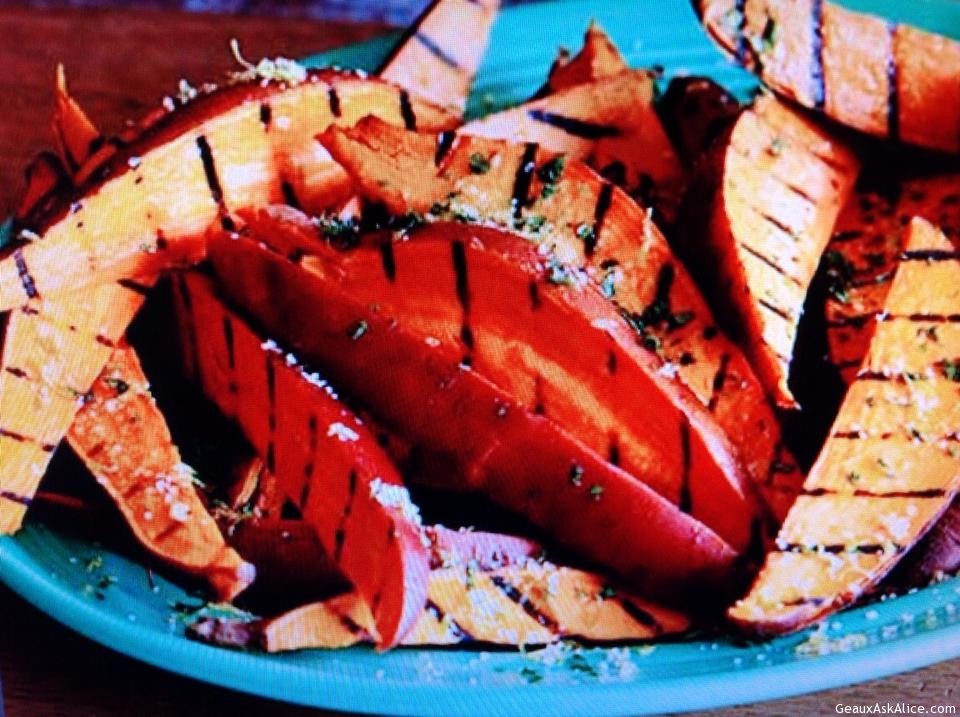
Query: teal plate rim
x,y
868,642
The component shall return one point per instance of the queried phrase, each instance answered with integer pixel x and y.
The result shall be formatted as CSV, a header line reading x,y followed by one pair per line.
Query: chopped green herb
x,y
853,477
531,676
479,164
951,370
578,663
770,35
343,232
559,273
608,285
550,173
839,275
576,474
586,233
535,222
777,146
681,318
94,563
358,329
118,385
608,592
596,492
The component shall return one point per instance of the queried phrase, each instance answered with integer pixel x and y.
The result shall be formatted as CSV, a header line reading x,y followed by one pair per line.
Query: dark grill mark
x,y
437,51
769,262
341,532
539,407
741,45
685,502
334,100
388,260
847,236
856,322
444,144
18,437
777,223
16,498
312,426
105,341
466,335
266,114
613,452
838,549
573,126
612,362
638,614
462,278
719,378
26,279
210,171
271,460
162,243
228,340
930,255
271,393
455,629
521,182
604,199
818,88
860,493
305,494
893,91
18,372
525,603
406,111
534,296
929,318
290,197
352,627
801,601
134,286
782,313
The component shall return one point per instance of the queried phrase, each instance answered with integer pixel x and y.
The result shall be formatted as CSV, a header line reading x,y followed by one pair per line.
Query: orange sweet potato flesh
x,y
433,397
123,439
863,254
887,79
324,459
247,143
764,211
439,55
532,604
592,224
610,124
890,467
598,58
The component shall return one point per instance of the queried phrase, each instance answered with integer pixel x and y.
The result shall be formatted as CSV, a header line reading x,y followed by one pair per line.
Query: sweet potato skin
x,y
883,78
323,457
888,471
591,224
598,58
433,399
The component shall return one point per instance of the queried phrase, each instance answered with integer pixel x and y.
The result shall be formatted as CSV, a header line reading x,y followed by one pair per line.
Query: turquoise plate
x,y
55,573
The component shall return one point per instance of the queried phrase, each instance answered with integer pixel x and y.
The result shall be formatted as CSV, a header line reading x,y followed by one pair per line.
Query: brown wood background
x,y
120,63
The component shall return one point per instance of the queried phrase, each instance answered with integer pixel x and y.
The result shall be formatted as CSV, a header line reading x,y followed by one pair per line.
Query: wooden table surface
x,y
119,63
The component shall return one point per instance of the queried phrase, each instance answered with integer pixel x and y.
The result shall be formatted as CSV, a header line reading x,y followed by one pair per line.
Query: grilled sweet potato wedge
x,y
119,228
245,144
598,58
123,439
590,223
530,604
884,78
439,55
609,123
890,467
863,253
768,200
436,311
323,457
695,112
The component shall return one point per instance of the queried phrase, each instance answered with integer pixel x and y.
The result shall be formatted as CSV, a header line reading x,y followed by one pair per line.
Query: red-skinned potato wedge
x,y
611,124
589,223
530,604
325,460
76,136
761,214
890,467
439,55
884,78
117,228
863,253
530,353
598,58
431,396
123,439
